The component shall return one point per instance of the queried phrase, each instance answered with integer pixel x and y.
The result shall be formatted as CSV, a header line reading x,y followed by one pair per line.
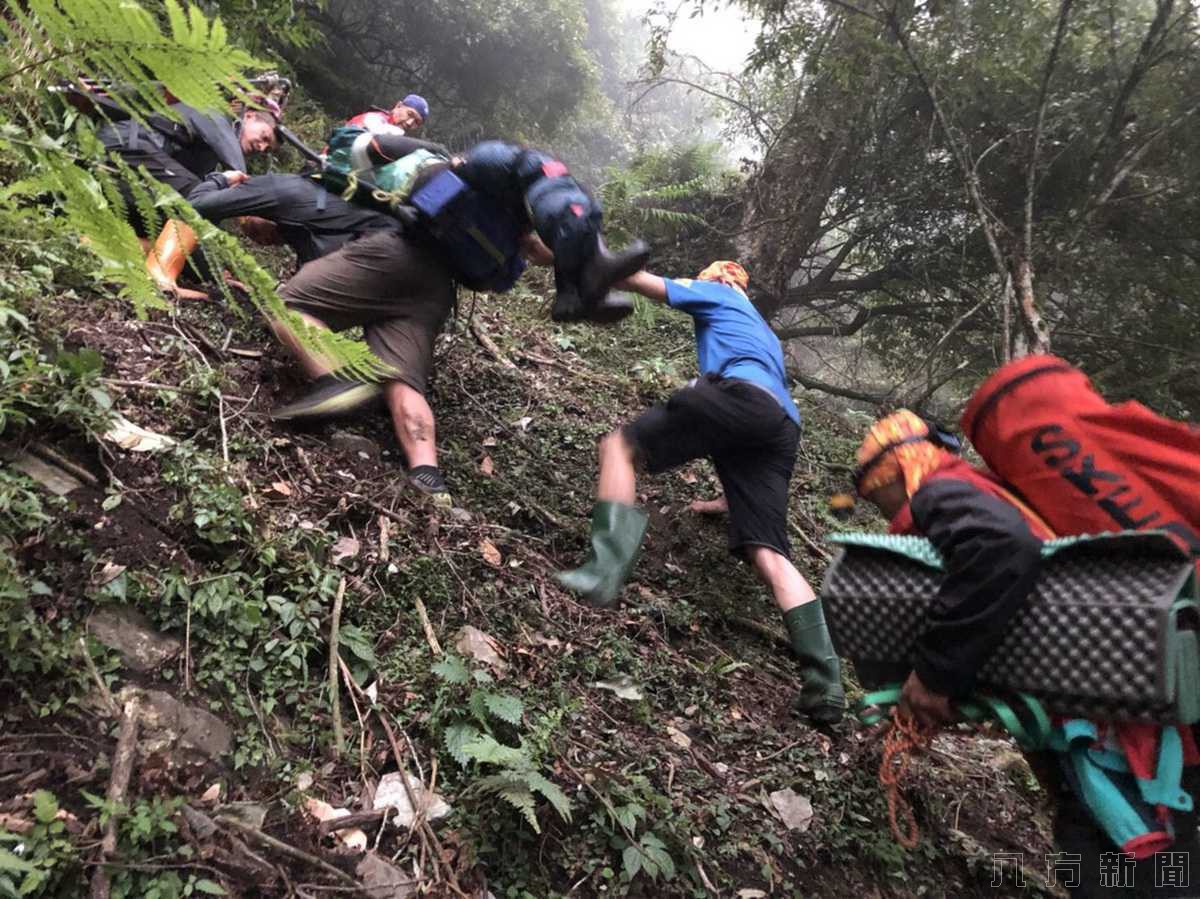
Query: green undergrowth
x,y
629,752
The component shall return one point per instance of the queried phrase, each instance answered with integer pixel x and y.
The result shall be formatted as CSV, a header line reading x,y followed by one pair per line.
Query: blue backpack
x,y
481,238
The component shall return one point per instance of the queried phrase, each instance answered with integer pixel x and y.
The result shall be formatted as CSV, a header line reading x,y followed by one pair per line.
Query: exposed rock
x,y
170,725
353,444
795,810
53,478
135,438
391,792
128,631
384,880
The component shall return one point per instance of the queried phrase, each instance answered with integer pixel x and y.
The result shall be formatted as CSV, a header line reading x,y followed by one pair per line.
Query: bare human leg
x,y
413,420
314,365
618,477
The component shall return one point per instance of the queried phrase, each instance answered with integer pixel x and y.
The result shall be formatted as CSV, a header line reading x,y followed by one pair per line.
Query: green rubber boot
x,y
617,531
821,698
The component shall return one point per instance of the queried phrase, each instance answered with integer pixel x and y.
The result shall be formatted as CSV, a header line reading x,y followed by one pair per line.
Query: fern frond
x,y
505,707
658,215
105,228
682,191
515,792
457,737
122,41
553,793
486,749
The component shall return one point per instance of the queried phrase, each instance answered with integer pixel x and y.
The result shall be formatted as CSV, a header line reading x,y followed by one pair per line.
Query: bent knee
x,y
767,562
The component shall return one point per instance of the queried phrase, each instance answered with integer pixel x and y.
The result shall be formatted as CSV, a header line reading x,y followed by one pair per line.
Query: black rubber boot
x,y
331,396
612,309
617,532
605,268
822,699
568,304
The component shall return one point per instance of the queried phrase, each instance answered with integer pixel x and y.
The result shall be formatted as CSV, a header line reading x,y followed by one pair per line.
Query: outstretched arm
x,y
390,147
652,287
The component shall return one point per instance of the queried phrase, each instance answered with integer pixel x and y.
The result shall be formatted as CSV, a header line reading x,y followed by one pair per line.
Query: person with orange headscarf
x,y
990,540
738,413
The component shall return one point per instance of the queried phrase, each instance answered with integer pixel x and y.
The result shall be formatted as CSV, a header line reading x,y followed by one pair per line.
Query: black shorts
x,y
751,441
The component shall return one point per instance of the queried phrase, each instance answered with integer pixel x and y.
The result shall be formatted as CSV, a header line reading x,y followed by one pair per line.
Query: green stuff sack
x,y
347,162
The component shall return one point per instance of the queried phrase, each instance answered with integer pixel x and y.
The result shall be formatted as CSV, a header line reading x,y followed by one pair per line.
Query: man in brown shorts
x,y
471,221
400,294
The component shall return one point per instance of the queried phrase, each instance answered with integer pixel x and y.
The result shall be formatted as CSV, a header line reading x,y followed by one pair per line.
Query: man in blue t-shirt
x,y
739,414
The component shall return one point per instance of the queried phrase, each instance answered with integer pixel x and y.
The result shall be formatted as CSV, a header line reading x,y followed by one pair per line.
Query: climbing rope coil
x,y
904,740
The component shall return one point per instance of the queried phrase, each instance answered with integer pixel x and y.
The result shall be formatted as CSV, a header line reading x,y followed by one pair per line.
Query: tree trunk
x,y
1037,335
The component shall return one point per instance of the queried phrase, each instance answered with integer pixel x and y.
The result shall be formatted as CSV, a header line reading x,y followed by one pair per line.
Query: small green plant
x,y
38,862
471,738
626,809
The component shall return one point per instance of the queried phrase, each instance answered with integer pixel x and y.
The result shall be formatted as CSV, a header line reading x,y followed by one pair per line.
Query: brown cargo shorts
x,y
399,293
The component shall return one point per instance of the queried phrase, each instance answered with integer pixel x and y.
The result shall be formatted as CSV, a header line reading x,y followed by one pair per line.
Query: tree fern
x,y
122,41
181,52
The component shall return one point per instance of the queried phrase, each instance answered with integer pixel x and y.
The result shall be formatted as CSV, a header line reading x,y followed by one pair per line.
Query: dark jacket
x,y
992,559
185,154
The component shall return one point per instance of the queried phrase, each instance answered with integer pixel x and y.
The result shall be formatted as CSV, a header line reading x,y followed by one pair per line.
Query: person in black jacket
x,y
303,213
294,210
990,541
196,154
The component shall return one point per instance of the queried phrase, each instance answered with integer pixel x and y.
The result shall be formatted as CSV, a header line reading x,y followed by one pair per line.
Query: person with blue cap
x,y
407,116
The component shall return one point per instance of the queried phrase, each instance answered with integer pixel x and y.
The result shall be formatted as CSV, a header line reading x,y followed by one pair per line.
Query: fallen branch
x,y
490,345
339,736
574,372
291,851
53,456
419,823
812,544
174,388
113,708
354,820
430,636
118,785
308,466
760,629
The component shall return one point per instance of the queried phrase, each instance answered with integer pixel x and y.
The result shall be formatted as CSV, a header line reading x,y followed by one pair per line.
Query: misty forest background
x,y
919,190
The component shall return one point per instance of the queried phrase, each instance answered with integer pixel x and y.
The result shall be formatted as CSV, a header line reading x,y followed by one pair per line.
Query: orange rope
x,y
902,740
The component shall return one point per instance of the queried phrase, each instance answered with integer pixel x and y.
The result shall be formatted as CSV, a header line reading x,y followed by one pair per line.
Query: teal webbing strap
x,y
875,706
1165,788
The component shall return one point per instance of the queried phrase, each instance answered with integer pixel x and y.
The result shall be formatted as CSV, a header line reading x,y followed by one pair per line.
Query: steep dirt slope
x,y
660,730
